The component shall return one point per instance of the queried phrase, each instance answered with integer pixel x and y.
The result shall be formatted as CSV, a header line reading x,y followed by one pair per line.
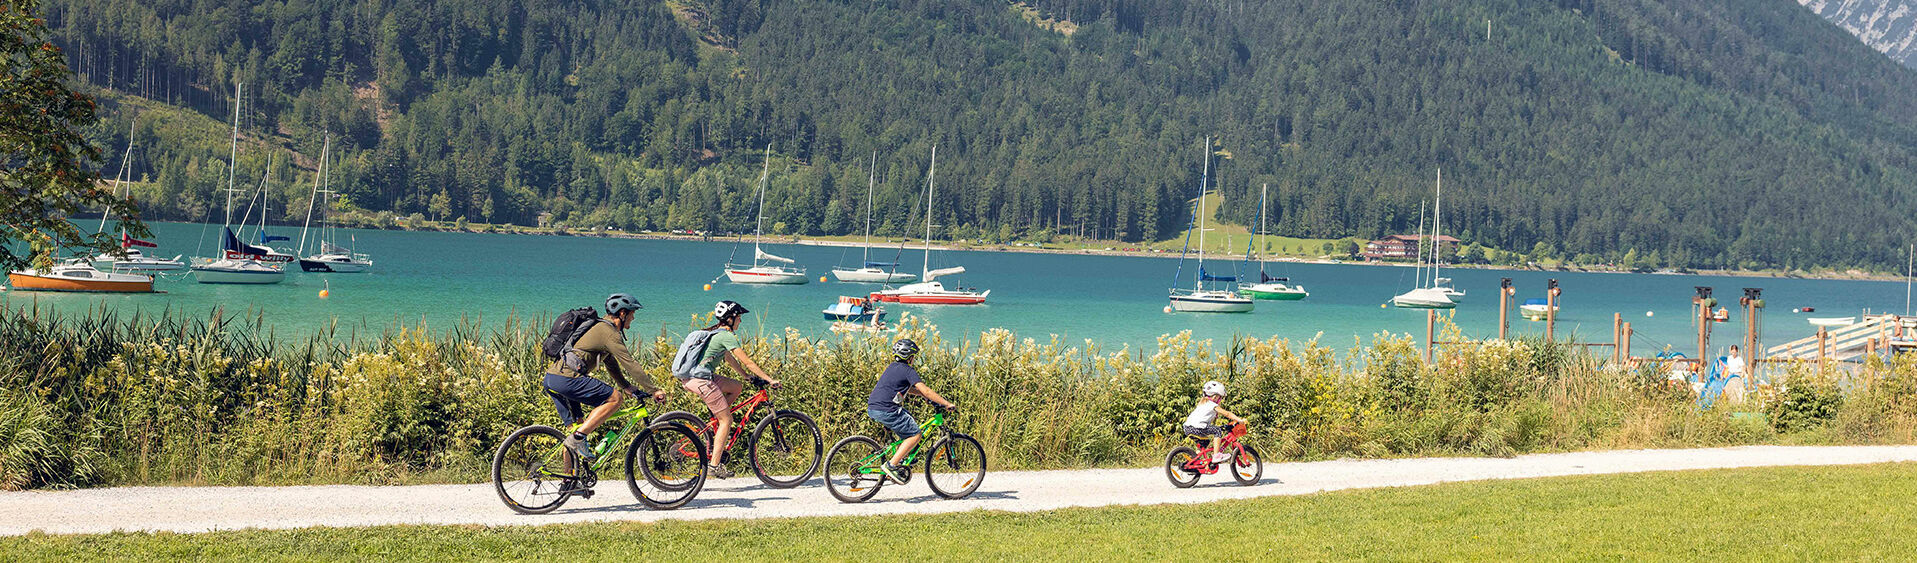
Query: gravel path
x,y
199,509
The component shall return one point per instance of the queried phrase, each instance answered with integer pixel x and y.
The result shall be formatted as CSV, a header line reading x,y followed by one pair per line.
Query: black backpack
x,y
567,329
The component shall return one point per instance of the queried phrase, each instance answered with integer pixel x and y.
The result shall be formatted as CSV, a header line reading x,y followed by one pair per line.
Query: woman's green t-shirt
x,y
722,341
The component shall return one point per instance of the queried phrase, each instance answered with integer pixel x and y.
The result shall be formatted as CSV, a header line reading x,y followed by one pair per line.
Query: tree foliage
x,y
46,167
1702,133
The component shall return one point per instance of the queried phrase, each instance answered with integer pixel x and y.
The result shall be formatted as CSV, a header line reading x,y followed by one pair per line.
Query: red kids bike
x,y
1185,464
784,447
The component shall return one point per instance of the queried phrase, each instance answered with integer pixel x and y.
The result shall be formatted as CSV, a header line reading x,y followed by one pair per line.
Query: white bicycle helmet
x,y
1214,388
727,309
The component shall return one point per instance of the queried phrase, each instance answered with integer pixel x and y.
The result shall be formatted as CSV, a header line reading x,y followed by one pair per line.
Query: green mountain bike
x,y
954,465
534,473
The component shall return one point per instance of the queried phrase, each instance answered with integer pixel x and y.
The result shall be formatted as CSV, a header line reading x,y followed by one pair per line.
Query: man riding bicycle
x,y
718,391
570,384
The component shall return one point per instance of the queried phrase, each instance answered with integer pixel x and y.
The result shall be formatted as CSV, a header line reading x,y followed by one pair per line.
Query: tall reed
x,y
113,398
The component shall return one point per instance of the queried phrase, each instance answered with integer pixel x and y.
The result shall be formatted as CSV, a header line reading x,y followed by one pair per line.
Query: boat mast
x,y
1262,191
126,170
872,177
1204,179
931,175
758,223
310,201
1437,227
233,159
1417,271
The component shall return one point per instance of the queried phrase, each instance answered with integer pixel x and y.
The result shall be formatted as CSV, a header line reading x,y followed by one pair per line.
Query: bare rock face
x,y
1886,25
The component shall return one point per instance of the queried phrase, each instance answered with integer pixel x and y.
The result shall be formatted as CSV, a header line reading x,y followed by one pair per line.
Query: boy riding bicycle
x,y
1199,423
883,406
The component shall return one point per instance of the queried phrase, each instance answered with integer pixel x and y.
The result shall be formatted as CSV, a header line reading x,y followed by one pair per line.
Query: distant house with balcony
x,y
1401,247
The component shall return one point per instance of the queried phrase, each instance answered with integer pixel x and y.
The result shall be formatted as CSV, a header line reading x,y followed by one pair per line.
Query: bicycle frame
x,y
635,417
1229,442
870,465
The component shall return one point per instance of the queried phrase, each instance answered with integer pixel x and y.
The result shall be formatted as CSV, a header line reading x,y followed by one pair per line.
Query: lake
x,y
439,278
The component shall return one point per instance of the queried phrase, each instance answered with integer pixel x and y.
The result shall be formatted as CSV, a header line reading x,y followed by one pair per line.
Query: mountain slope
x,y
1705,133
1890,26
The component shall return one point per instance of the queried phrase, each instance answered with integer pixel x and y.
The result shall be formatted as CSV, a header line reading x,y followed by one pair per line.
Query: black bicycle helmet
x,y
905,349
727,309
619,303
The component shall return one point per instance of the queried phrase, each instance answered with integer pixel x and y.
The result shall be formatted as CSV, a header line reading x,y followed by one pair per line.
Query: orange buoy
x,y
324,293
708,287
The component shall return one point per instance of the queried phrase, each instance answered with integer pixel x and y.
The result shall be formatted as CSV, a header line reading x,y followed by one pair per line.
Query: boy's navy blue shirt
x,y
897,378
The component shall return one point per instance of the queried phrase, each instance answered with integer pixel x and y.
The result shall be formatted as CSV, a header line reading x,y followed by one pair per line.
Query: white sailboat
x,y
1279,288
766,268
869,271
129,258
1433,296
237,263
1202,297
931,291
332,257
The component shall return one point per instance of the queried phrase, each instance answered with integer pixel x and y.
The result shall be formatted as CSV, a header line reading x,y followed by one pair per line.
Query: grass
x,y
1852,512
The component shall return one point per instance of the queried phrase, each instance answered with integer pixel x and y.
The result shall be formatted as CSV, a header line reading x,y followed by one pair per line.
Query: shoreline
x,y
1852,275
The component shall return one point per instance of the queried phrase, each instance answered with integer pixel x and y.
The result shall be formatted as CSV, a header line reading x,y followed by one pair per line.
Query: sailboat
x,y
237,262
1202,297
766,267
1433,296
930,291
1280,288
273,256
332,257
129,258
872,272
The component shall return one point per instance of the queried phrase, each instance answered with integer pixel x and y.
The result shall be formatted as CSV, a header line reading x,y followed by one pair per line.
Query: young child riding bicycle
x,y
1199,424
718,391
899,379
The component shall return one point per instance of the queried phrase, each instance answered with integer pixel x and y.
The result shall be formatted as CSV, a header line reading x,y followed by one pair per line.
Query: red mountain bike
x,y
784,447
1184,465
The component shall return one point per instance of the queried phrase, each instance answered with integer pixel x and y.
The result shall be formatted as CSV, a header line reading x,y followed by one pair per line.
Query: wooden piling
x,y
1430,332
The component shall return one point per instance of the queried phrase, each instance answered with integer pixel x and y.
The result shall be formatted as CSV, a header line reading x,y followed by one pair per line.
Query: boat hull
x,y
1274,293
933,298
30,281
242,277
854,317
1533,313
330,267
873,275
765,277
1190,304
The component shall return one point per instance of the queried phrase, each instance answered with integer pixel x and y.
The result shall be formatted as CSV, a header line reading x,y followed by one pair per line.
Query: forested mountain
x,y
1889,26
1719,133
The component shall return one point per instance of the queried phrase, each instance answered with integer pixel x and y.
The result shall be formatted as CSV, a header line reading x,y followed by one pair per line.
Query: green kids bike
x,y
954,464
534,473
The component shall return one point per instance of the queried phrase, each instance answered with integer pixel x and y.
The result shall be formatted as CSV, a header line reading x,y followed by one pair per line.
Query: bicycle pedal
x,y
583,493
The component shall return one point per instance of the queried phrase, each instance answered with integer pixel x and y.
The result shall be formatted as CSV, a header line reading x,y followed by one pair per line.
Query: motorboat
x,y
765,268
1833,321
1536,308
132,260
856,309
78,275
1203,296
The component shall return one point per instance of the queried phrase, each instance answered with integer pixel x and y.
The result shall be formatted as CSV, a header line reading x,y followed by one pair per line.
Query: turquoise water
x,y
438,278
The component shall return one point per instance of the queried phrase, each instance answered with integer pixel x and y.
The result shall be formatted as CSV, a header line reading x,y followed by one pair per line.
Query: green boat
x,y
1268,288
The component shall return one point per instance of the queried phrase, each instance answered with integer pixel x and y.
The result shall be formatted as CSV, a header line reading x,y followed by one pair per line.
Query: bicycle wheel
x,y
660,471
531,468
786,444
955,467
852,469
1247,467
1175,467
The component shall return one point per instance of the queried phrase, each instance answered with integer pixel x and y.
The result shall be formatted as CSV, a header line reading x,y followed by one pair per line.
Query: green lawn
x,y
1857,512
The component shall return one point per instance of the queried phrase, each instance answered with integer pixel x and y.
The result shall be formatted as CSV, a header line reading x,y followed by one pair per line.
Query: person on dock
x,y
569,379
898,380
701,377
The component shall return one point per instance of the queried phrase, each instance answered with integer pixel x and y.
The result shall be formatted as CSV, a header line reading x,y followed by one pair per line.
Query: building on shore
x,y
1401,247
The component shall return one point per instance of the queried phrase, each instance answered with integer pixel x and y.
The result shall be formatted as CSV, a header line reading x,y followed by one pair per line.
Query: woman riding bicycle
x,y
718,391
